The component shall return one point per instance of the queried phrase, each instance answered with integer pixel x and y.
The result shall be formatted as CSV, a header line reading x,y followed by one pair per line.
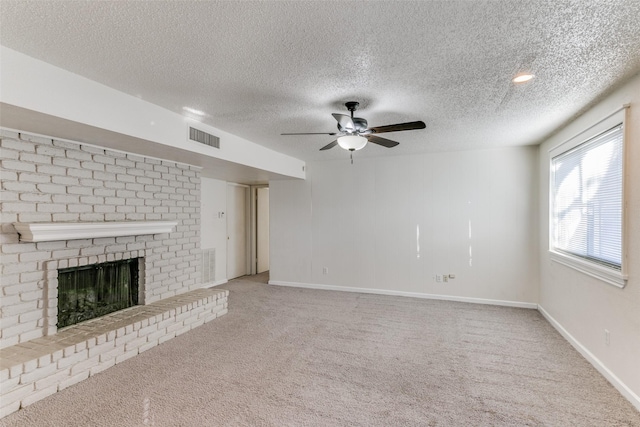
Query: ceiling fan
x,y
354,133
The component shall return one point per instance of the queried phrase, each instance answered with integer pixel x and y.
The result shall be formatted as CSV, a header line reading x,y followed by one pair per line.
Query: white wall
x,y
213,227
585,306
361,222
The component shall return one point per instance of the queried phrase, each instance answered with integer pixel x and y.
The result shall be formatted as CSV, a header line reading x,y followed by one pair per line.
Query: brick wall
x,y
47,180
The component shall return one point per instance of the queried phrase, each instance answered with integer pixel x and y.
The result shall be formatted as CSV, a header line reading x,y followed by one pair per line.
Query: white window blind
x,y
587,200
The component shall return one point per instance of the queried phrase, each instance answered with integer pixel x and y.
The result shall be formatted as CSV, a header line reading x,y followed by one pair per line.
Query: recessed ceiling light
x,y
523,77
194,111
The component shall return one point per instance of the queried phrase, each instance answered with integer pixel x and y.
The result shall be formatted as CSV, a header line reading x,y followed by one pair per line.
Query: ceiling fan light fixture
x,y
352,142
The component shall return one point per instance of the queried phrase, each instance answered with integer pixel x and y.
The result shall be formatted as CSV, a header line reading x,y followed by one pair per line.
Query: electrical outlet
x,y
325,270
438,278
607,337
445,278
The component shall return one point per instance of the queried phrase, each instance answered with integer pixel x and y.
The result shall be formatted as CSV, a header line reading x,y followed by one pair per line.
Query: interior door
x,y
236,230
262,229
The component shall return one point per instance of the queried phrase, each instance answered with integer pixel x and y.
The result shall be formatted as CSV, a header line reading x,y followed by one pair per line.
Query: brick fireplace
x,y
49,181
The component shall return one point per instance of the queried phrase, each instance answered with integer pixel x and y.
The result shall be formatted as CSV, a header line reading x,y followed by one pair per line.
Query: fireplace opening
x,y
95,290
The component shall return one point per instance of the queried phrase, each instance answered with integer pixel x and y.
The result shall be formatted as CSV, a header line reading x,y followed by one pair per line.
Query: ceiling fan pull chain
x,y
351,153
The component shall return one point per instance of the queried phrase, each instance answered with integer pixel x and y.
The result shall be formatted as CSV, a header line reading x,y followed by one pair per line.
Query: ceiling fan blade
x,y
345,122
382,141
330,145
398,127
310,133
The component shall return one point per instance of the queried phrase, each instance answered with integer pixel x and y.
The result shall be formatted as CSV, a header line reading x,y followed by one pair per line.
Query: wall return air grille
x,y
203,137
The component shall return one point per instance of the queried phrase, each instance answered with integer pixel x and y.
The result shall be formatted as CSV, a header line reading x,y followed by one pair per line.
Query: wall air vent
x,y
208,266
203,137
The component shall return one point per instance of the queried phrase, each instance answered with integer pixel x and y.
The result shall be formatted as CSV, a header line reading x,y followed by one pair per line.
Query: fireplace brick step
x,y
35,369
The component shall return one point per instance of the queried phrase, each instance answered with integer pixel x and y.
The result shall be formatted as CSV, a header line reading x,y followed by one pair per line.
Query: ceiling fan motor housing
x,y
359,123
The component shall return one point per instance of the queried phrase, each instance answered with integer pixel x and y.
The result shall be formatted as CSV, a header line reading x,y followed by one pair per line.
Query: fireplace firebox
x,y
94,290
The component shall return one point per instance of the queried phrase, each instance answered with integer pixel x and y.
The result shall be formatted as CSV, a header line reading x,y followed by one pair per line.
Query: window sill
x,y
612,277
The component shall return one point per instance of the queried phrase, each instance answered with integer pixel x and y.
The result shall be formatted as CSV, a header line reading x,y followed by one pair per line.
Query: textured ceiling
x,y
258,69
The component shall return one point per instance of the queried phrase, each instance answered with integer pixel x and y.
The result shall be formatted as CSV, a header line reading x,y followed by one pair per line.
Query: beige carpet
x,y
299,357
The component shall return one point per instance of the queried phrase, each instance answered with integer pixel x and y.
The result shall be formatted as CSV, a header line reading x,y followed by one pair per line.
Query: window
x,y
587,202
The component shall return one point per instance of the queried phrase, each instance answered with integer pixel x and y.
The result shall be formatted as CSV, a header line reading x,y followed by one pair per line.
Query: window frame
x,y
592,268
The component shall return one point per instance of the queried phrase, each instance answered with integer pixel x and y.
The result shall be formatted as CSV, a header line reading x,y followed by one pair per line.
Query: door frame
x,y
247,225
254,226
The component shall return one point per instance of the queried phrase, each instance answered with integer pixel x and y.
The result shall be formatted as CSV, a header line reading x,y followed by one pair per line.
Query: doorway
x,y
262,229
237,225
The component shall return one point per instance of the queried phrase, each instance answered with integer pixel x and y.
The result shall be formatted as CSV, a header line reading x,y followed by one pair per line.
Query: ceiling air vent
x,y
204,138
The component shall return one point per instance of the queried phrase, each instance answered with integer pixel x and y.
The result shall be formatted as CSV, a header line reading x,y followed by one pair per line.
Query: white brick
x,y
85,366
38,374
156,335
17,394
65,180
15,248
147,346
92,149
33,177
4,375
49,150
102,366
57,355
52,188
53,379
167,337
134,344
35,256
18,207
36,139
35,276
51,207
147,330
75,358
79,190
15,371
17,165
31,335
73,380
9,408
101,348
78,155
21,267
128,355
10,384
44,360
183,330
174,327
69,163
39,395
35,158
197,323
13,143
21,187
111,354
29,366
18,329
209,317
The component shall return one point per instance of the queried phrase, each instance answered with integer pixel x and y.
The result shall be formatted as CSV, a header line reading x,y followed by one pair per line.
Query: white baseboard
x,y
610,376
406,294
214,284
